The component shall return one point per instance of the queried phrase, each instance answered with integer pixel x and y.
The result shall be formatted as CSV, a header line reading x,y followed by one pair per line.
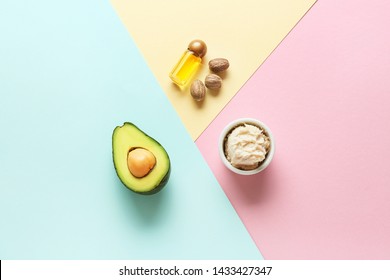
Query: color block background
x,y
325,93
69,74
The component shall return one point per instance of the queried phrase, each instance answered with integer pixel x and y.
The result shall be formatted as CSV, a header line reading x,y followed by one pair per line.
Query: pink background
x,y
325,93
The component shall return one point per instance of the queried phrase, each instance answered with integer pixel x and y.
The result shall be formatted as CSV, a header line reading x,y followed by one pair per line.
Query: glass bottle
x,y
189,63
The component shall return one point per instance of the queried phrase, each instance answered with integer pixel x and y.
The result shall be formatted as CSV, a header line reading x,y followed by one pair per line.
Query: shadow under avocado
x,y
148,207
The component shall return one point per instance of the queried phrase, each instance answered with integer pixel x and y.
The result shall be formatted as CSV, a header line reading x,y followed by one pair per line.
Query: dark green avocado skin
x,y
159,187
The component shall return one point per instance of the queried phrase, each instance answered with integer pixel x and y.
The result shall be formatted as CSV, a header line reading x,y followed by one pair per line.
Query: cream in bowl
x,y
246,146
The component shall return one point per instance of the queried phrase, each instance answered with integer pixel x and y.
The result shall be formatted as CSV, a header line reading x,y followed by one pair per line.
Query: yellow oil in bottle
x,y
185,69
189,63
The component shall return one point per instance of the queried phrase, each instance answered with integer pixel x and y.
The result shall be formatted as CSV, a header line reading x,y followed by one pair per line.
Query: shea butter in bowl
x,y
246,146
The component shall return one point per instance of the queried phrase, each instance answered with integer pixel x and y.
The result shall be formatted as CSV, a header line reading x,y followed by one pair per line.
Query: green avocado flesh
x,y
128,137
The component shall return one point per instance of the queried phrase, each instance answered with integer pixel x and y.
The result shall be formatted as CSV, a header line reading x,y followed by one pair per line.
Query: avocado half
x,y
128,137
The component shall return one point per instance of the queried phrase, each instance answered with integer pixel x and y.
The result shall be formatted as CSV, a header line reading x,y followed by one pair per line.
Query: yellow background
x,y
244,32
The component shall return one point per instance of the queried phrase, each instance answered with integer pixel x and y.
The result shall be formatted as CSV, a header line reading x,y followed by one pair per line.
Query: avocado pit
x,y
140,162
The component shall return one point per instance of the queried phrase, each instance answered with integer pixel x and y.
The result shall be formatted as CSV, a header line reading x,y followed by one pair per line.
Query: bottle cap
x,y
198,47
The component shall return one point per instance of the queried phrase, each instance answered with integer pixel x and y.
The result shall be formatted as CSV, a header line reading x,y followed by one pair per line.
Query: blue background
x,y
69,74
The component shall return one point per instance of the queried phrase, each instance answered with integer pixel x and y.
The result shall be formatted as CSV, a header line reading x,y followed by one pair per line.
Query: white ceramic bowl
x,y
233,125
